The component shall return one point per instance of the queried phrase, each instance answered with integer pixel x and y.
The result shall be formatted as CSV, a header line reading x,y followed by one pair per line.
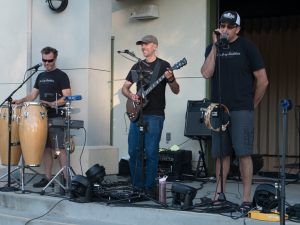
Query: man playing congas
x,y
51,86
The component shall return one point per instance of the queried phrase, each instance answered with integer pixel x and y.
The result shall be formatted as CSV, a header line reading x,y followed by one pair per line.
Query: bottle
x,y
162,189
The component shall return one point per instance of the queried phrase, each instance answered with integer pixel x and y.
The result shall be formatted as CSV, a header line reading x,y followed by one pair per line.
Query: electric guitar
x,y
133,108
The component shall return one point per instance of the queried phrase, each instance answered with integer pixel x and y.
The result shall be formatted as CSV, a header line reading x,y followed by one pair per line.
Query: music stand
x,y
9,99
69,170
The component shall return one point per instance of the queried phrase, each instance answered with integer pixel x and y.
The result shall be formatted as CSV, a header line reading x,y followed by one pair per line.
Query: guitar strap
x,y
155,72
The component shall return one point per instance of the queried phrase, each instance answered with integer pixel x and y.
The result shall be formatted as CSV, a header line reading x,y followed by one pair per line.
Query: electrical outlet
x,y
168,137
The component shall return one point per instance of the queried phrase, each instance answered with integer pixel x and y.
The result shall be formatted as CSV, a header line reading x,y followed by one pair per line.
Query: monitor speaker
x,y
194,119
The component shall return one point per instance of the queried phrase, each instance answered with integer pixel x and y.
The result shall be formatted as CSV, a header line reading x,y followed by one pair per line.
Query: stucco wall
x,y
181,32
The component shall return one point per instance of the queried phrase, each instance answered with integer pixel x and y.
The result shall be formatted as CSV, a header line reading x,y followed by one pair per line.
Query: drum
x,y
33,132
15,141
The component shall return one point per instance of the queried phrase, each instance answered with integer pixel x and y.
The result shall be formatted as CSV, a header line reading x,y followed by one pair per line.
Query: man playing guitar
x,y
153,113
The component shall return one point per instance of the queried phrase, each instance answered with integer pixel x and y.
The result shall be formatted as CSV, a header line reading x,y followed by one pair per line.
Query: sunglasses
x,y
48,60
229,26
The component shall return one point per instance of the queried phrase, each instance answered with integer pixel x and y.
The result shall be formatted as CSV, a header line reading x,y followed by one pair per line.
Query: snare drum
x,y
4,135
33,132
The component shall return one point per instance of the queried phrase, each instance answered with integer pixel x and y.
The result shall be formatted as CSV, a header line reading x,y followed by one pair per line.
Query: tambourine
x,y
208,115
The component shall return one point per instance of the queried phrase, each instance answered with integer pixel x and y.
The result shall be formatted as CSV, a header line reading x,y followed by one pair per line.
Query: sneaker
x,y
42,183
152,193
245,207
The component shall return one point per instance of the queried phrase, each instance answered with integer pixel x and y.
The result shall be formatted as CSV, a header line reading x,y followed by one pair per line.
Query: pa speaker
x,y
194,119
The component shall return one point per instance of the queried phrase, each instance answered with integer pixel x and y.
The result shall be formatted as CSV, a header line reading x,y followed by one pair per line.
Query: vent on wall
x,y
145,12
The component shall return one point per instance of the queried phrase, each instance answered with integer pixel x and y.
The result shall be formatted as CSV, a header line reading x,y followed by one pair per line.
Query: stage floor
x,y
18,208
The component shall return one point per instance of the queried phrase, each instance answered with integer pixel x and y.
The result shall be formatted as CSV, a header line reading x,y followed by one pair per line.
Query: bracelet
x,y
171,81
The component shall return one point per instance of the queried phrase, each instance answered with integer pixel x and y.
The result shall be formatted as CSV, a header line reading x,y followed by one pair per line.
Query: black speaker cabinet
x,y
175,163
194,119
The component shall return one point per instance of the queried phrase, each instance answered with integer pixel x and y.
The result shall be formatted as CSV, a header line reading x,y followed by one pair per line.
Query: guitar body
x,y
133,108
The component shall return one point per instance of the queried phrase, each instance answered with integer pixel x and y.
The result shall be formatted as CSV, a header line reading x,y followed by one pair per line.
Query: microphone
x,y
72,98
223,39
35,67
124,51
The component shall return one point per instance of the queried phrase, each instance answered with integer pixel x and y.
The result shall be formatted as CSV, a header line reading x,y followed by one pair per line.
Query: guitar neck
x,y
152,86
177,66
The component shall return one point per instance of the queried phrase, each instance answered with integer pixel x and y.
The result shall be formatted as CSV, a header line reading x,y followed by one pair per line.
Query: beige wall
x,y
82,35
181,31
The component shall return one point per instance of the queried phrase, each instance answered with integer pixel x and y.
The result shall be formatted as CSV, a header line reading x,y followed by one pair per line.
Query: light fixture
x,y
266,197
96,174
183,196
57,5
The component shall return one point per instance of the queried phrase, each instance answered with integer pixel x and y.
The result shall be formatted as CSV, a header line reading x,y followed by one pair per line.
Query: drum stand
x,y
69,170
21,181
8,187
9,100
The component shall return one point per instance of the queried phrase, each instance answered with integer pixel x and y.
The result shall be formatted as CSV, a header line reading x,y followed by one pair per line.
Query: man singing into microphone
x,y
51,85
239,81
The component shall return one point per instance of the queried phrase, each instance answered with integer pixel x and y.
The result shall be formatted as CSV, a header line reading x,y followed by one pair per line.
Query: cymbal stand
x,y
69,170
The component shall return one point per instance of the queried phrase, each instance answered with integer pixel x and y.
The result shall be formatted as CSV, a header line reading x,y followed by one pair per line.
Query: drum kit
x,y
27,135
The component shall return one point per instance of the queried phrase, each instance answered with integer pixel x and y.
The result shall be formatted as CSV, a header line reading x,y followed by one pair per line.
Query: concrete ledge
x,y
19,208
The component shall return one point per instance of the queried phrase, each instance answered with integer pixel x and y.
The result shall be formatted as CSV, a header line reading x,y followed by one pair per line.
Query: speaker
x,y
194,119
175,163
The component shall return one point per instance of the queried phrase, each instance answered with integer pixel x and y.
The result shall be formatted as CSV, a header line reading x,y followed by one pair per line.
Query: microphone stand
x,y
286,105
296,165
221,197
9,100
141,125
221,43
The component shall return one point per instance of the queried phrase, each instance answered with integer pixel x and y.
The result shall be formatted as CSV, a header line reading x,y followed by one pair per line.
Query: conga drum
x,y
33,132
4,135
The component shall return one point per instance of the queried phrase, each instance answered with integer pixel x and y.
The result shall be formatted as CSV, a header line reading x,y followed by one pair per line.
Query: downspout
x,y
112,90
29,40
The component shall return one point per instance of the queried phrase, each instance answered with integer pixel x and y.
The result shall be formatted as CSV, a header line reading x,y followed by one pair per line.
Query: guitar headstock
x,y
179,64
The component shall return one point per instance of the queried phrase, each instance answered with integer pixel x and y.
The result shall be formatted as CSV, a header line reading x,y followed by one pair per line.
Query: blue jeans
x,y
153,126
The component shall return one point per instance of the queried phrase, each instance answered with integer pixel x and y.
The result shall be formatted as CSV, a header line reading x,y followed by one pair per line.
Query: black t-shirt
x,y
156,98
50,85
238,61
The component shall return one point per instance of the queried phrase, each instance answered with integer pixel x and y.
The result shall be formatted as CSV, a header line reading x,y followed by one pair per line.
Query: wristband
x,y
171,81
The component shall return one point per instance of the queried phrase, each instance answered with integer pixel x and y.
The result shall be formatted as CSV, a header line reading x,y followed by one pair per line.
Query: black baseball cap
x,y
231,17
